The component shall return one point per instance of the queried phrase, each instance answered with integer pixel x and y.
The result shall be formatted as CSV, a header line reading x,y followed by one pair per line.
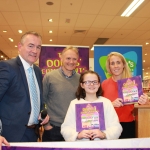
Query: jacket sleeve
x,y
5,78
68,128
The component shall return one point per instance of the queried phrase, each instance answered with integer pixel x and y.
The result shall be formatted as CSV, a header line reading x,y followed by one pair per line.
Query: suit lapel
x,y
24,78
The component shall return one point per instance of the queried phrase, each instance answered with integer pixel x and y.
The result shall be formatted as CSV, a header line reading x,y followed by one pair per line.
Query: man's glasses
x,y
95,82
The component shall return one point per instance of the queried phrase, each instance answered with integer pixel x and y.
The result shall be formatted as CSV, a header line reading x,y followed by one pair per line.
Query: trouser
x,y
52,134
128,130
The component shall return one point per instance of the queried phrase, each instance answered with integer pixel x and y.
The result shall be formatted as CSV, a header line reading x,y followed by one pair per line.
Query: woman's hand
x,y
84,134
117,102
143,99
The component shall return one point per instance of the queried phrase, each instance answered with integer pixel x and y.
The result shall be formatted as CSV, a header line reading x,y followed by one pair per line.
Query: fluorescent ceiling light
x,y
132,7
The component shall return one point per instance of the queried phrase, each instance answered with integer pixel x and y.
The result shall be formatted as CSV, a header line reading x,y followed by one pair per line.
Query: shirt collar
x,y
25,64
73,72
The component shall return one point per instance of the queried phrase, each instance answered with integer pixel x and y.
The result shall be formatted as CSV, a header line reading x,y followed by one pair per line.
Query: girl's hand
x,y
143,99
96,133
117,102
84,134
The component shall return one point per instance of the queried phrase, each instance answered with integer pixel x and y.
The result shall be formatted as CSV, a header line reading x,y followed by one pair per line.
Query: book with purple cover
x,y
130,89
90,116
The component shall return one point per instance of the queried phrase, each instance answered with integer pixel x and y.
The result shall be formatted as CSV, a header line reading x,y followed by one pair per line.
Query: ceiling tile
x,y
13,18
102,21
9,5
85,20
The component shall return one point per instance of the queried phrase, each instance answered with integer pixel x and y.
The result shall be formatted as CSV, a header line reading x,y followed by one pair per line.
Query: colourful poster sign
x,y
90,116
130,89
50,59
132,54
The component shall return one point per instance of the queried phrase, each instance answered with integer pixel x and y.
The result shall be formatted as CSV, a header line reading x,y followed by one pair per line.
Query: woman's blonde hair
x,y
126,71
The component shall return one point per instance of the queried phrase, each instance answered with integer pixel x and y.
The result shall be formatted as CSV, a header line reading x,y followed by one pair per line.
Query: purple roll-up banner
x,y
50,58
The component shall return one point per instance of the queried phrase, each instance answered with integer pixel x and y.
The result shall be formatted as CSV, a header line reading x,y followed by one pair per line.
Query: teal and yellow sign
x,y
132,54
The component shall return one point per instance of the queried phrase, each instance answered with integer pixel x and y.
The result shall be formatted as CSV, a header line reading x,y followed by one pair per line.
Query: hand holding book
x,y
96,133
143,99
91,134
84,134
130,89
118,102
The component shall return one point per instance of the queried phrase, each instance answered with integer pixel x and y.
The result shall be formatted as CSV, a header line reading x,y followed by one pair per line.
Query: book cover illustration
x,y
130,89
89,116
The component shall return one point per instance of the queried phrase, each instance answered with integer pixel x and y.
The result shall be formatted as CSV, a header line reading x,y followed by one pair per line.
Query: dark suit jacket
x,y
15,104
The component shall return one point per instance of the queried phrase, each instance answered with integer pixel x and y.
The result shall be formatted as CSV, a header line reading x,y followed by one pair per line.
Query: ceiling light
x,y
143,60
50,31
15,45
20,31
50,40
4,31
2,56
147,43
50,20
142,69
145,53
132,7
11,39
146,72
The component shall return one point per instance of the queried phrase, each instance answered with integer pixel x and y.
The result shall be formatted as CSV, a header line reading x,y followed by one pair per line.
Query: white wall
x,y
91,64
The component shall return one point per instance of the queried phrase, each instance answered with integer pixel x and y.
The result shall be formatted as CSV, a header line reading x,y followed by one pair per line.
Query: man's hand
x,y
45,120
3,141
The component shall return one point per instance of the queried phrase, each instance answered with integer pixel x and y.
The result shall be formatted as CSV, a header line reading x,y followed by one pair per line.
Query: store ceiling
x,y
75,22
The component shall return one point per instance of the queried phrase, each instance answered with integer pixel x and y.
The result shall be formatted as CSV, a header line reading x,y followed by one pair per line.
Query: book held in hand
x,y
130,89
89,116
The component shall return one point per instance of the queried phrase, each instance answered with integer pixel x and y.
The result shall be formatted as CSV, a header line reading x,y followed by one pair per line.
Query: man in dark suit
x,y
17,112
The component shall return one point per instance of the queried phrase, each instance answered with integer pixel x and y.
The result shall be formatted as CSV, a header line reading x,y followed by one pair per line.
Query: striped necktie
x,y
34,96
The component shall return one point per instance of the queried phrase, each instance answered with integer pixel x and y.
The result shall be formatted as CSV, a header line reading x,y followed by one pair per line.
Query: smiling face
x,y
30,48
116,66
69,61
90,88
